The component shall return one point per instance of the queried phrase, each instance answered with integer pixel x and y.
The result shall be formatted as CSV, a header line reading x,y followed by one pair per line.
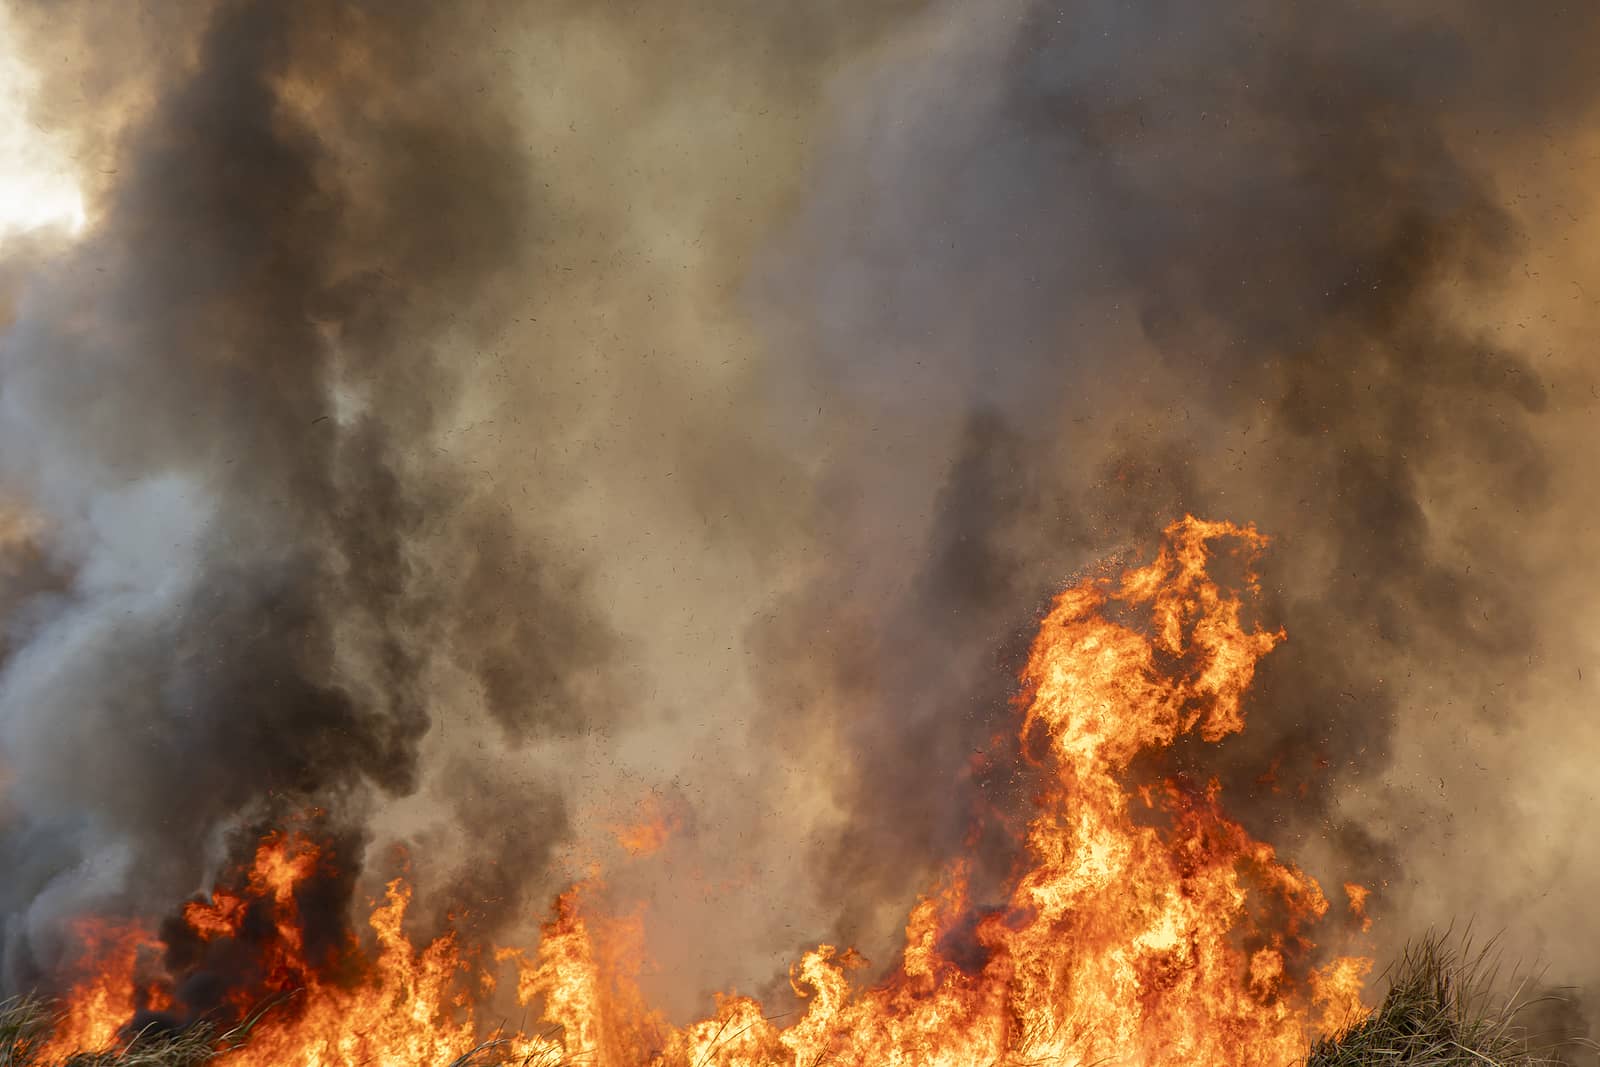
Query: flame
x,y
1146,928
1358,895
411,1008
654,823
113,991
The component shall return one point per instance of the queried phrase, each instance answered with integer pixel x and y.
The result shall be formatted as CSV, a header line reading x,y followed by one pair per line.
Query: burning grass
x,y
1440,1009
26,1024
1147,927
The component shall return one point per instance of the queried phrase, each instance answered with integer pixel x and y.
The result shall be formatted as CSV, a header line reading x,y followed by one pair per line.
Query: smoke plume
x,y
223,405
487,417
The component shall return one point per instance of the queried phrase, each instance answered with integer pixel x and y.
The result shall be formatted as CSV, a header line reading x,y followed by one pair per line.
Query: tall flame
x,y
1147,927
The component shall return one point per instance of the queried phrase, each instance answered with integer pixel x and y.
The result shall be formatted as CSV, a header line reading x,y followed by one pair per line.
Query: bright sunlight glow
x,y
38,186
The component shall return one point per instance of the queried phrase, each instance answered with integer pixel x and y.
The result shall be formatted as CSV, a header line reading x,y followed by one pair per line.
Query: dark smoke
x,y
223,403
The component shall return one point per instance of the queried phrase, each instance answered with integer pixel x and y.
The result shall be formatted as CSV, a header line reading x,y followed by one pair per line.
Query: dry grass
x,y
497,1052
1445,1007
25,1024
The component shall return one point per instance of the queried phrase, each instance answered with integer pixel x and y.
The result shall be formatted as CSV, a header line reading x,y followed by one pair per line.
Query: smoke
x,y
481,420
223,405
341,444
1073,270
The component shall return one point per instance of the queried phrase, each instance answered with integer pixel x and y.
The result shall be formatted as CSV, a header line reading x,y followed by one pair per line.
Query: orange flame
x,y
1358,895
653,825
102,1003
1147,928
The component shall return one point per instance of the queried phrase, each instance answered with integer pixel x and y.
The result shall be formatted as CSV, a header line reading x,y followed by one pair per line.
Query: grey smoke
x,y
222,404
1077,269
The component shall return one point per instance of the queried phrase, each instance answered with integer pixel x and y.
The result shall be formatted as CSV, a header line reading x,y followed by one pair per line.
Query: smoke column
x,y
253,556
483,418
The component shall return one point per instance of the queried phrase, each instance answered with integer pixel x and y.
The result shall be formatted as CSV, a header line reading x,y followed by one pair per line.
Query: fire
x,y
654,823
400,1005
1358,895
107,998
1147,927
410,1008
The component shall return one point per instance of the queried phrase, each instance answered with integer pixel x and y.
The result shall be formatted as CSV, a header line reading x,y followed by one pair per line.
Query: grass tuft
x,y
1441,1010
24,1028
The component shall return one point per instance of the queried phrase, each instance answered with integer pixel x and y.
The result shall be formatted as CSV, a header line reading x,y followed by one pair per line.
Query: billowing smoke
x,y
1076,269
223,406
486,417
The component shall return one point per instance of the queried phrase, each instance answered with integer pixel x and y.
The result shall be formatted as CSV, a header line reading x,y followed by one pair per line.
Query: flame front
x,y
1147,926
